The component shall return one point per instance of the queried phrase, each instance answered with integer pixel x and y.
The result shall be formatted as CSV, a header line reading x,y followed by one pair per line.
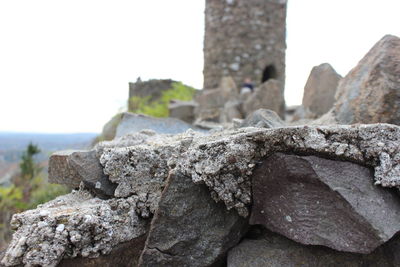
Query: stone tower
x,y
244,38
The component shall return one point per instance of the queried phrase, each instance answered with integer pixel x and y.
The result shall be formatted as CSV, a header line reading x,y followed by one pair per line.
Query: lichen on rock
x,y
70,226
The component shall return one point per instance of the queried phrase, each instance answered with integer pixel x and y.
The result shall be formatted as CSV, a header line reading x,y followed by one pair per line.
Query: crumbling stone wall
x,y
244,38
152,88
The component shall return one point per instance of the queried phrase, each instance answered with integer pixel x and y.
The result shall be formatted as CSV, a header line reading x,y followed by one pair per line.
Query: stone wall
x,y
244,38
152,88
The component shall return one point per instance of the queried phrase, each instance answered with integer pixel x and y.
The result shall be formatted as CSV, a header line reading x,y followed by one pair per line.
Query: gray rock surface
x,y
370,93
224,160
74,225
182,110
272,250
132,123
61,172
263,118
211,102
320,89
230,111
123,255
317,201
189,228
90,171
268,95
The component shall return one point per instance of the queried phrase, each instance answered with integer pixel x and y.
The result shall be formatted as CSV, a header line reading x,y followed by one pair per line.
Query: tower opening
x,y
269,73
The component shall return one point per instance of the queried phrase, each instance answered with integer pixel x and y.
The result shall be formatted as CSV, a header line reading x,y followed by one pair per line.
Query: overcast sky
x,y
65,65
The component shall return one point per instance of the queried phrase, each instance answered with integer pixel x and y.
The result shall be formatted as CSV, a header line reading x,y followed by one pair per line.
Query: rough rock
x,y
189,228
123,255
74,225
272,250
211,102
263,118
139,164
244,39
370,93
88,167
132,123
61,172
230,111
268,95
318,201
224,160
182,110
320,89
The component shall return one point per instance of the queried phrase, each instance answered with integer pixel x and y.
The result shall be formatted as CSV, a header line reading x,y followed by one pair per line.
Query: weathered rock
x,y
268,95
317,201
133,123
263,118
189,228
320,89
61,172
370,92
230,111
88,166
74,225
182,110
123,255
212,101
301,115
273,250
224,160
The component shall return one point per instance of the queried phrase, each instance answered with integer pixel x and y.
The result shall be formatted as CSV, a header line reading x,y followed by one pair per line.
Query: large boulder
x,y
268,95
133,123
370,93
320,89
189,228
317,201
273,250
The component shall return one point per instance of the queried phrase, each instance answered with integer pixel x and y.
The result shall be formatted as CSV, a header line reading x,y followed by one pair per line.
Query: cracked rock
x,y
317,201
189,228
370,93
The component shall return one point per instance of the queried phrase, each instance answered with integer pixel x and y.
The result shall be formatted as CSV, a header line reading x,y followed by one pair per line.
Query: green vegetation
x,y
159,108
29,189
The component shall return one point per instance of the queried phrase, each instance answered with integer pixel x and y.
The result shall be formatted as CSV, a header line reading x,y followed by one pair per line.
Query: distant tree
x,y
28,167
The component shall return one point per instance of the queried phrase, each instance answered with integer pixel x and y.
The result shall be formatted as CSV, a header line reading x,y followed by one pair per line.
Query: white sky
x,y
65,65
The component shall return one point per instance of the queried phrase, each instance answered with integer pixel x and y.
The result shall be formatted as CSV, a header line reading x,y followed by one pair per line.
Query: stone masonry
x,y
244,38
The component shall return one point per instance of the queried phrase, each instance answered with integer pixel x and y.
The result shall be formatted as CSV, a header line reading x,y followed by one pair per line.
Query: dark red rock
x,y
318,201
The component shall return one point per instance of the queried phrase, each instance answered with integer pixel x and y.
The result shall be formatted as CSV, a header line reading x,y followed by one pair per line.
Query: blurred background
x,y
65,68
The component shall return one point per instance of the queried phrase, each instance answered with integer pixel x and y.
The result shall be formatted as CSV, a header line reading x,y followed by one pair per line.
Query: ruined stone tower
x,y
244,38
